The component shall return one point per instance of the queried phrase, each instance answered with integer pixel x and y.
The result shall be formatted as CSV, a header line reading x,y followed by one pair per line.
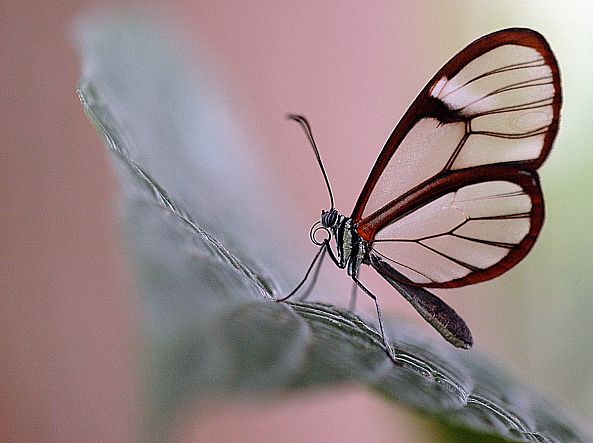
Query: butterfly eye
x,y
329,218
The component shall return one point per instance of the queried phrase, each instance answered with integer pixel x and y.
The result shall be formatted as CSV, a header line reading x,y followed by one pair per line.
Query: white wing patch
x,y
438,86
505,76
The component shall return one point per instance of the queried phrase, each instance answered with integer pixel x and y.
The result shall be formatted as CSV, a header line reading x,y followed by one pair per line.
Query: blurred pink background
x,y
69,328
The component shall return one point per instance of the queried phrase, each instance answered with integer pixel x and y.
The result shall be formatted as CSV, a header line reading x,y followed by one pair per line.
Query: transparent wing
x,y
454,197
471,230
496,102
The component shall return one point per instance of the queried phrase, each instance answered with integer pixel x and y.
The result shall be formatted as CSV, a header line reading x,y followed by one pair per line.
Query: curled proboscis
x,y
313,234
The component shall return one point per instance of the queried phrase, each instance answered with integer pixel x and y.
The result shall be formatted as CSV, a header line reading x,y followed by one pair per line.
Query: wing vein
x,y
514,66
453,259
403,265
510,87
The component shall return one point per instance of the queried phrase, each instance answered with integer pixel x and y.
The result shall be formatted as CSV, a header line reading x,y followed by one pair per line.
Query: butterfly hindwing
x,y
473,229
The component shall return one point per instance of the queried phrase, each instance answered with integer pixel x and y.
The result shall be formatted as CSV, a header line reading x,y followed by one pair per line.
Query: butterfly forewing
x,y
468,234
454,198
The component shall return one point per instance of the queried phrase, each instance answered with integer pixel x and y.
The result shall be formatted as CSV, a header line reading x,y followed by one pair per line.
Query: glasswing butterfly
x,y
454,196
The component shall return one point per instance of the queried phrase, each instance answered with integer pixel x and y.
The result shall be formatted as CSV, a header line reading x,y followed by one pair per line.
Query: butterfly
x,y
454,197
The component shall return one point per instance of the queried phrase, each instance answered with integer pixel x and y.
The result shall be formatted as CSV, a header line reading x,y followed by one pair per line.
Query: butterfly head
x,y
329,219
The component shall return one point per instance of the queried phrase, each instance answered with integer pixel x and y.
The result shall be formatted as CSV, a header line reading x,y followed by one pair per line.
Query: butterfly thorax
x,y
351,250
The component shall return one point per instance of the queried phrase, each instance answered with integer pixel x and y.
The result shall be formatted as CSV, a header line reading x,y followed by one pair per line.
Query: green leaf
x,y
210,257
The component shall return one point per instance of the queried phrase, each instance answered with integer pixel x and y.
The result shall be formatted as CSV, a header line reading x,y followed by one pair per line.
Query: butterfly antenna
x,y
307,128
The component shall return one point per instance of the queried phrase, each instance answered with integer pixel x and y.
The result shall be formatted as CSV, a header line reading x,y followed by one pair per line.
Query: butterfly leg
x,y
352,304
320,252
388,347
313,280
